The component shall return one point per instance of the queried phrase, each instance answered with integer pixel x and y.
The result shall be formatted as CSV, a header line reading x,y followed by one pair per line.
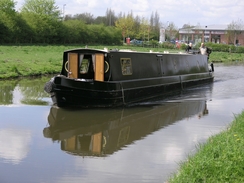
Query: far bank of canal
x,y
19,61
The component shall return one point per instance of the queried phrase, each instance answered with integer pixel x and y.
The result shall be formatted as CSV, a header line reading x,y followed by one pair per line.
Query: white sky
x,y
180,12
16,147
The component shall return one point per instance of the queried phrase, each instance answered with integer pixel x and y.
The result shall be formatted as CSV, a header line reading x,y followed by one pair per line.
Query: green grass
x,y
226,57
16,61
219,160
29,60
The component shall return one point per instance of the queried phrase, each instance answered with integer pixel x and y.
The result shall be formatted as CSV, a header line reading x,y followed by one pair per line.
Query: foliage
x,y
139,28
41,21
75,32
167,45
125,24
42,16
224,47
144,29
7,7
84,17
41,7
9,26
219,160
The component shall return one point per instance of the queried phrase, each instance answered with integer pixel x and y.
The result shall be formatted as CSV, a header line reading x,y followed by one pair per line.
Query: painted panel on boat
x,y
143,66
99,68
73,65
126,66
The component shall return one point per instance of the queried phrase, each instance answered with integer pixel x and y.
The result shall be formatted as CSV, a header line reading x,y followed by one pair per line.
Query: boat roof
x,y
87,49
105,50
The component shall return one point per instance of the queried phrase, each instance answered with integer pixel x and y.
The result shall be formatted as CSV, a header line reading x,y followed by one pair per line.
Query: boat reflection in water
x,y
103,132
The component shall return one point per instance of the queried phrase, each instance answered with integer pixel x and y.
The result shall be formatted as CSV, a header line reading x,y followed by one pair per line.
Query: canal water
x,y
40,143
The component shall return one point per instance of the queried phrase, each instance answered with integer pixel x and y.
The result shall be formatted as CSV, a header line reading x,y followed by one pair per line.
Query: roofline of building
x,y
216,27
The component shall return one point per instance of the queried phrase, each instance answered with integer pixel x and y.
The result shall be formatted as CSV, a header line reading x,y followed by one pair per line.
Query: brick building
x,y
211,33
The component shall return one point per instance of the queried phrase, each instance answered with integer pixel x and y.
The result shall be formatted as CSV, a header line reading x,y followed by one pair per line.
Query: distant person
x,y
189,47
205,50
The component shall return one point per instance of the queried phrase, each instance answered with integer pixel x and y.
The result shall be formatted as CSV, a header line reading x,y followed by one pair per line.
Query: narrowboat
x,y
92,78
82,133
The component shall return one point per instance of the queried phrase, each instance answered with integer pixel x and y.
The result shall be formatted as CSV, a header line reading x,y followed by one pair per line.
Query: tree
x,y
234,29
75,32
155,25
110,18
125,24
100,20
188,30
86,17
144,29
171,31
42,7
4,32
41,21
137,27
11,23
7,6
7,14
44,19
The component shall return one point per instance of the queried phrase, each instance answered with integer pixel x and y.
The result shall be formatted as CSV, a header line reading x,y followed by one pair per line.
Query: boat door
x,y
72,65
99,67
81,143
96,141
70,144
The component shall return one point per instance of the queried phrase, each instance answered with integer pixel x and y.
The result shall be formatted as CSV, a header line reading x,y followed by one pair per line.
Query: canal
x,y
40,143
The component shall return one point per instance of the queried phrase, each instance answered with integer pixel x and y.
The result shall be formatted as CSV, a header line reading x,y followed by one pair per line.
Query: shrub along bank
x,y
220,47
220,159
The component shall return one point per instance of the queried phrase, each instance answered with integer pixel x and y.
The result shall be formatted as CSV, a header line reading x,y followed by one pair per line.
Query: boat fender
x,y
65,66
48,87
104,141
107,67
212,66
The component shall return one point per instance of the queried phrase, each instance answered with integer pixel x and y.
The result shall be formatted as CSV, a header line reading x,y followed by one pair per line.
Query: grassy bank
x,y
220,159
18,61
29,60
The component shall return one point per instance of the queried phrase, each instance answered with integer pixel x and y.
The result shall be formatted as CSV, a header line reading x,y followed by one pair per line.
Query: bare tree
x,y
171,30
110,17
234,29
88,18
188,30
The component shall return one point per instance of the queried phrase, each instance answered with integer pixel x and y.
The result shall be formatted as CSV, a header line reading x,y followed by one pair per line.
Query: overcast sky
x,y
180,12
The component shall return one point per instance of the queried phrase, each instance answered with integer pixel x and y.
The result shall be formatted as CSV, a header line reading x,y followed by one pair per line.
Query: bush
x,y
225,47
167,45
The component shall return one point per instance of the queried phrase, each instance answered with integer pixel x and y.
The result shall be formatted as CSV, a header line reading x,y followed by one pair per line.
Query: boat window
x,y
84,66
126,66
